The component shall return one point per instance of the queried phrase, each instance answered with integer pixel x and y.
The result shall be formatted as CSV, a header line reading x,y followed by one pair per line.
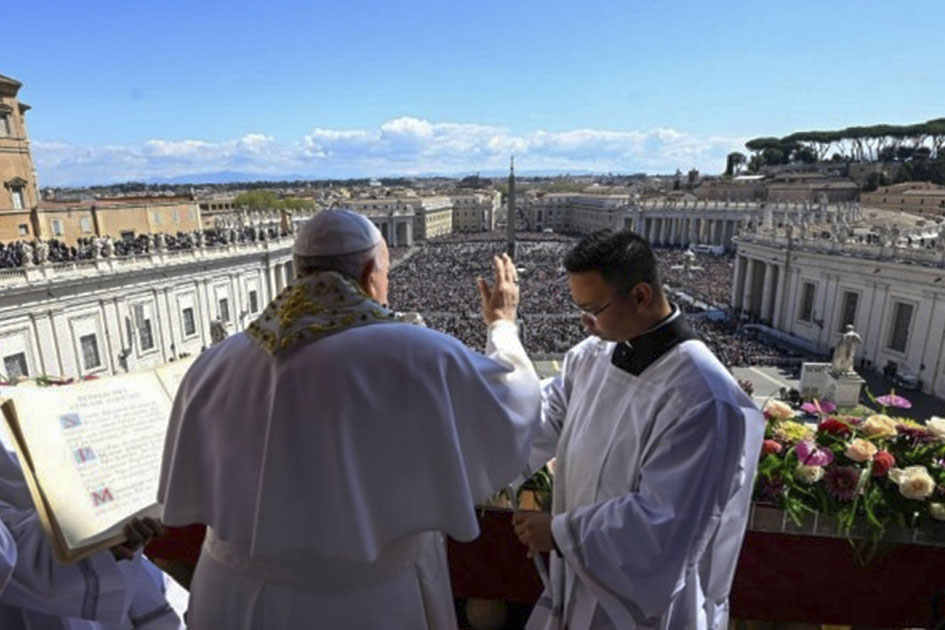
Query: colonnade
x,y
755,288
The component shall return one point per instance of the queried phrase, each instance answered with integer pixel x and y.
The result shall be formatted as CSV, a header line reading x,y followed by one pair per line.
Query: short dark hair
x,y
623,258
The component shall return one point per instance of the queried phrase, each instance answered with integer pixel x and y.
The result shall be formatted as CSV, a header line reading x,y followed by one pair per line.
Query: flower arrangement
x,y
857,466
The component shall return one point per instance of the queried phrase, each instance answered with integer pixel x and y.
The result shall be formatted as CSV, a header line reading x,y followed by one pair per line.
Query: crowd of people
x,y
438,281
15,253
738,345
706,278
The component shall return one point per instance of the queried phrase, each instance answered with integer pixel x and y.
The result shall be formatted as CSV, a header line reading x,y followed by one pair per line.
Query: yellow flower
x,y
879,425
808,474
791,432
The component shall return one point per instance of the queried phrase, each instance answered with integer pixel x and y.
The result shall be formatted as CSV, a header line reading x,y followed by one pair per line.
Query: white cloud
x,y
404,145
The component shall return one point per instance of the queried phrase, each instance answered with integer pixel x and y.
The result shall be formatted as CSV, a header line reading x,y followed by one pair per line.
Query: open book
x,y
91,453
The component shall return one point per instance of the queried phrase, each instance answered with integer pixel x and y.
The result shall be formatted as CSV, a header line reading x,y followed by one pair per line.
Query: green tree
x,y
733,162
256,200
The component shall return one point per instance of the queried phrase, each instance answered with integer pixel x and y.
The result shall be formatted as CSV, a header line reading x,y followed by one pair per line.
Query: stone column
x,y
749,282
780,288
767,292
271,281
673,239
738,282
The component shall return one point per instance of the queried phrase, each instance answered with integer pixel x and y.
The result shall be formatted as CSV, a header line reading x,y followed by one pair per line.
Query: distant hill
x,y
231,177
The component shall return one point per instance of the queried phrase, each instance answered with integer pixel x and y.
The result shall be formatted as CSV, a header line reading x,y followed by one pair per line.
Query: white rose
x,y
936,427
860,450
779,410
808,474
937,511
914,482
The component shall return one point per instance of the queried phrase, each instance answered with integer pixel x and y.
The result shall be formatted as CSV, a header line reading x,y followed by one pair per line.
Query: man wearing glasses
x,y
655,446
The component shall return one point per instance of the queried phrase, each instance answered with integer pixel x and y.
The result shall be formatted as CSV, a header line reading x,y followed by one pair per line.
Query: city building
x,y
434,217
891,289
914,197
475,211
125,217
19,193
108,315
580,213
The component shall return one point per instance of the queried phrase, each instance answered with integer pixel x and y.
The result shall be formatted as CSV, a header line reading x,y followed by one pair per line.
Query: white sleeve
x,y
97,588
555,395
7,555
633,550
504,346
149,607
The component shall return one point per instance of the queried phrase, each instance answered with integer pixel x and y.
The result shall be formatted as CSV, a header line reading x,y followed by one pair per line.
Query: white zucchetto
x,y
335,232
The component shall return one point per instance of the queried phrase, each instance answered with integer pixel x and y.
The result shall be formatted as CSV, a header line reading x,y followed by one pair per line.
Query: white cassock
x,y
7,555
98,593
327,475
655,461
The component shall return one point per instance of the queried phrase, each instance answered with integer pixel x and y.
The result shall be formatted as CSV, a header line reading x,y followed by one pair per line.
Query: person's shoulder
x,y
590,347
399,339
236,347
695,375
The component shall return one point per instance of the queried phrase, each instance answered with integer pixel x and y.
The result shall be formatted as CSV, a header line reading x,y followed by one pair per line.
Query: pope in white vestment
x,y
330,447
655,446
98,593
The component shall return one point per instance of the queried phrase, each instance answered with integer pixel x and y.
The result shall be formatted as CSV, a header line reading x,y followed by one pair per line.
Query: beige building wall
x,y
748,188
65,222
17,175
16,225
475,212
914,197
146,217
68,222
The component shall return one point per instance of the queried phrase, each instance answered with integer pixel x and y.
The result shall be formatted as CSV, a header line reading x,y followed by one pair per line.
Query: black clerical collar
x,y
638,354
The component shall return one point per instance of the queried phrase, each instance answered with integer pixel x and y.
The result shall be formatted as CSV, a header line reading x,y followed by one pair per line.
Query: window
x,y
899,333
848,312
224,310
143,324
85,224
14,366
16,193
23,229
190,327
4,124
56,227
90,356
176,217
807,302
253,302
156,218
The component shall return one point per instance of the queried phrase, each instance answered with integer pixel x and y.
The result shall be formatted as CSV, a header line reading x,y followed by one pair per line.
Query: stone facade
x,y
434,217
104,316
914,197
580,213
893,295
475,212
117,218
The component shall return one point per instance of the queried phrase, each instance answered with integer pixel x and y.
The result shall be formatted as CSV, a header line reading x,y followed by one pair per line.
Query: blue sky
x,y
147,89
